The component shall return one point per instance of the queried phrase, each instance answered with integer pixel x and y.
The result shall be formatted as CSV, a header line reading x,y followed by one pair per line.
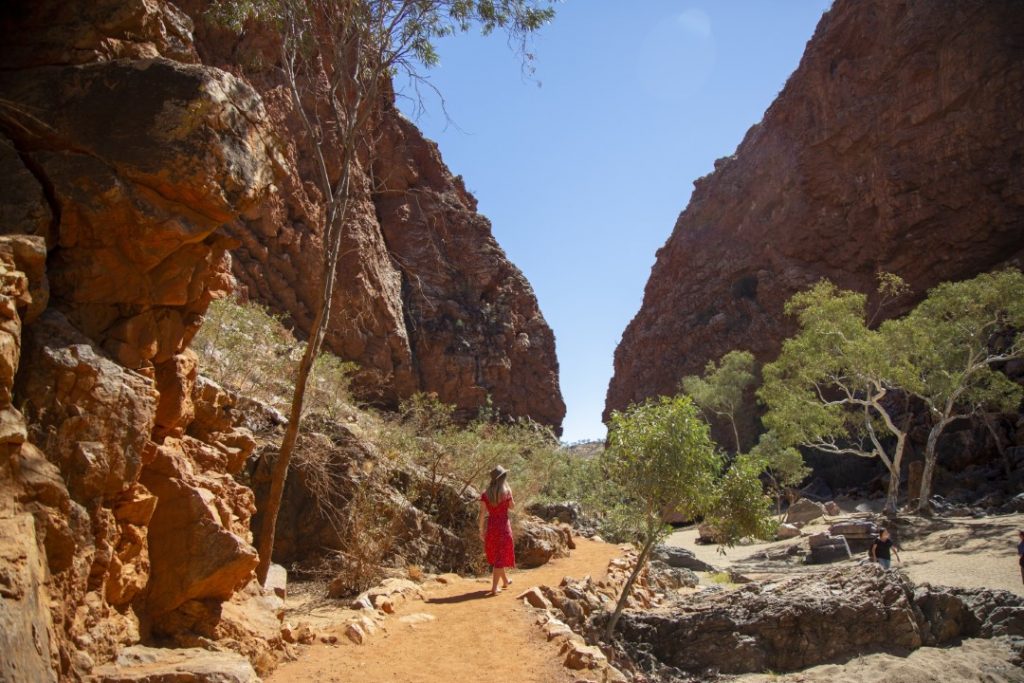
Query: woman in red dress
x,y
495,503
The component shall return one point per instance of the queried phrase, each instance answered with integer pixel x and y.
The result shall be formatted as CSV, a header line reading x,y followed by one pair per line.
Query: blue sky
x,y
584,175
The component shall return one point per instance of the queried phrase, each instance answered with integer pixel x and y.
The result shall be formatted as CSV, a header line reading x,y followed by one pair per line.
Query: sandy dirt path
x,y
472,637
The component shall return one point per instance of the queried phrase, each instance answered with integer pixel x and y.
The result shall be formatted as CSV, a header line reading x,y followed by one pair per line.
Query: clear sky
x,y
584,175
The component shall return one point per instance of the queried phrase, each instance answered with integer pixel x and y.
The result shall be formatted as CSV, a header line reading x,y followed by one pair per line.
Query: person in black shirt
x,y
880,549
1020,554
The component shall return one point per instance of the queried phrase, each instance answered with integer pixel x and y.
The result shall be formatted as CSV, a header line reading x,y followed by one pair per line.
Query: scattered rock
x,y
298,634
786,531
568,512
671,578
826,548
707,534
555,629
355,633
140,664
859,533
534,598
675,556
536,542
804,511
393,591
582,656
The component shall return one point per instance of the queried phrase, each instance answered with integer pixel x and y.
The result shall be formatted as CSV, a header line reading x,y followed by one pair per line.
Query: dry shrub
x,y
368,528
457,457
246,348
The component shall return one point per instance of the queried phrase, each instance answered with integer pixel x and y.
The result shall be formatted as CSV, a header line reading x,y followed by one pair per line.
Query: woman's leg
x,y
884,562
504,577
495,574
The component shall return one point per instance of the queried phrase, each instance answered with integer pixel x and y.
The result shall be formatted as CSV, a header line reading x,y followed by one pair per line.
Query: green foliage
x,y
720,391
958,334
248,350
826,389
395,30
783,464
661,457
740,508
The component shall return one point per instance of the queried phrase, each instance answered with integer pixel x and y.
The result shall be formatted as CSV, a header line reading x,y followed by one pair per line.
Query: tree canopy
x,y
661,457
956,340
720,391
830,388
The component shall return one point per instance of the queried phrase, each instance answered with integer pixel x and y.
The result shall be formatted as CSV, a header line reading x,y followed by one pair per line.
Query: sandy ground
x,y
948,551
472,637
976,660
960,551
496,638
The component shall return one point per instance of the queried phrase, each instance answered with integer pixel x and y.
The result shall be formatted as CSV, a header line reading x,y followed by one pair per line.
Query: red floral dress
x,y
498,541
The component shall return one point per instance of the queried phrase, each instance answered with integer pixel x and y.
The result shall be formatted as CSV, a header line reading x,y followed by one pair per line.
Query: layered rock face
x,y
131,171
116,486
426,299
895,146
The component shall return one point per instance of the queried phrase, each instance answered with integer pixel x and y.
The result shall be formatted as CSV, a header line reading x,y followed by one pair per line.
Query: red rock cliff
x,y
895,146
426,299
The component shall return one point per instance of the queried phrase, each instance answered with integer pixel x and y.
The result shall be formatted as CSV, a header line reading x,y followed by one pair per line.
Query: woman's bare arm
x,y
482,519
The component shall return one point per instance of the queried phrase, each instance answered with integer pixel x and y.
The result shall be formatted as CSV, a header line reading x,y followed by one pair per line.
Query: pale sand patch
x,y
986,661
972,553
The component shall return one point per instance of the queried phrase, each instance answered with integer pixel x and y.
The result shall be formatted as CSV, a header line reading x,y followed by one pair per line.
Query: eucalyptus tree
x,y
338,59
834,386
957,338
720,390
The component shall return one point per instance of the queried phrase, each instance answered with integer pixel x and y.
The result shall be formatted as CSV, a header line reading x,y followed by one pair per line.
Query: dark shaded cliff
x,y
897,145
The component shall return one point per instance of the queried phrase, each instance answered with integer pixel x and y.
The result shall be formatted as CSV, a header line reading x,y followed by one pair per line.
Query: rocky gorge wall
x,y
132,171
426,299
895,146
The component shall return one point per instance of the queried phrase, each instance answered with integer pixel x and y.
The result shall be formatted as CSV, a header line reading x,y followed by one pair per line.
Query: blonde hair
x,y
498,489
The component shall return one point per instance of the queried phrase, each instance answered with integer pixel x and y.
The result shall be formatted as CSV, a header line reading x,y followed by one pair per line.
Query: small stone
x,y
786,531
584,657
556,629
355,634
534,598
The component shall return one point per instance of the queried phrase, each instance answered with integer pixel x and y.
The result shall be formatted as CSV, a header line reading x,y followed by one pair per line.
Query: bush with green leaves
x,y
660,457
